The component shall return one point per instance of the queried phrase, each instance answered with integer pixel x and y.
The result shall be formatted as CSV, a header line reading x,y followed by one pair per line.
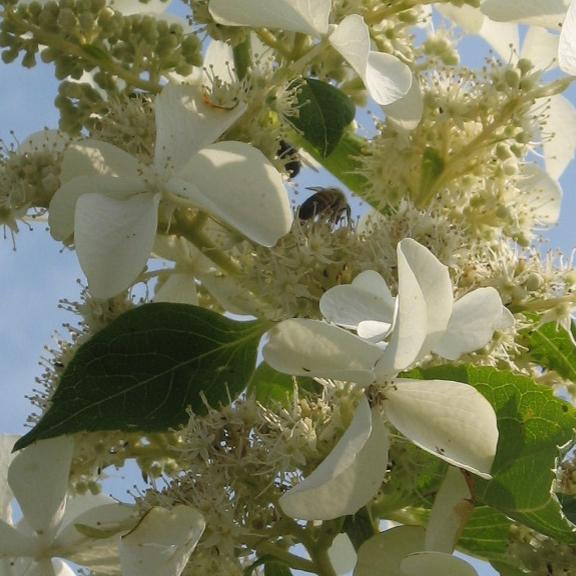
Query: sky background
x,y
36,276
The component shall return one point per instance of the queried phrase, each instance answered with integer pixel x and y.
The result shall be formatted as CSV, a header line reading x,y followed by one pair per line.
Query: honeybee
x,y
327,204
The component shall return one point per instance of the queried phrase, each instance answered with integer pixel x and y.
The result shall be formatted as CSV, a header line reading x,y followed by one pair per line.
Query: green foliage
x,y
270,387
144,370
533,424
552,347
324,113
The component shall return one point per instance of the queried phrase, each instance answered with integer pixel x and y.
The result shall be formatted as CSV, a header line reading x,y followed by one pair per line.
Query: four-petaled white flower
x,y
54,526
413,550
449,419
386,78
109,201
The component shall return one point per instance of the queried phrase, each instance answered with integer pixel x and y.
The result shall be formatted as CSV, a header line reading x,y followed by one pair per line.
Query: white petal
x,y
113,239
414,320
474,319
13,543
236,183
219,63
62,568
96,158
128,7
6,443
178,288
342,554
367,298
230,294
44,141
406,112
435,564
560,135
349,477
306,16
63,204
185,124
434,280
452,507
386,78
540,47
542,194
162,542
449,419
547,13
502,36
99,551
38,477
567,44
382,554
313,348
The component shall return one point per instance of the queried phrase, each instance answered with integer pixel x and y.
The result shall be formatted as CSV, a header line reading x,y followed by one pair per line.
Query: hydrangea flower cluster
x,y
369,379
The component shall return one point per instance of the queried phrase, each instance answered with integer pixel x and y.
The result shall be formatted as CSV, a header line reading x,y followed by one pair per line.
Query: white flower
x,y
448,419
109,201
386,78
545,13
413,550
54,525
567,44
162,542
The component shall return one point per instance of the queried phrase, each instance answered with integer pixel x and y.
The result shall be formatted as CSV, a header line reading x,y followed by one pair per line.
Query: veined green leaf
x,y
144,370
323,113
551,346
533,424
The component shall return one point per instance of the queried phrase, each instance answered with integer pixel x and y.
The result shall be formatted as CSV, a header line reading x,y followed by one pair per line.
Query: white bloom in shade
x,y
349,477
545,13
567,45
502,36
53,525
162,542
449,419
109,201
386,78
413,550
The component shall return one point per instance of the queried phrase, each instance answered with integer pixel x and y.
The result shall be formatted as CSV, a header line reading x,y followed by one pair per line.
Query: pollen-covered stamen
x,y
225,93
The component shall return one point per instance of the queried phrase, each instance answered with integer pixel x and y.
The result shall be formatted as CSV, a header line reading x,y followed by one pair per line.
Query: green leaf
x,y
269,386
533,424
272,567
552,347
147,367
324,113
487,535
343,162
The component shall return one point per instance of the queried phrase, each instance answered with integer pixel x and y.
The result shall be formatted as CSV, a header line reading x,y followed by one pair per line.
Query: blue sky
x,y
40,273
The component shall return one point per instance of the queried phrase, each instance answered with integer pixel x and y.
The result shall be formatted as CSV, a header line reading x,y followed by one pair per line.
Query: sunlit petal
x,y
449,419
96,158
6,443
185,124
567,44
474,319
559,141
386,78
113,239
178,288
38,477
306,16
312,348
342,554
366,298
547,13
236,183
406,112
542,194
63,204
452,507
13,543
540,47
162,542
349,477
